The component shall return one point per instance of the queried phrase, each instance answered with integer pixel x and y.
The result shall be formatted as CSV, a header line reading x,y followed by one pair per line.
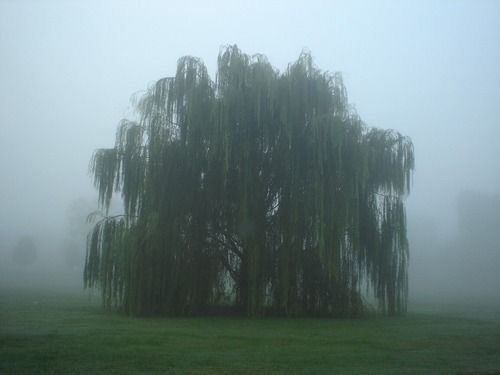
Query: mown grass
x,y
67,334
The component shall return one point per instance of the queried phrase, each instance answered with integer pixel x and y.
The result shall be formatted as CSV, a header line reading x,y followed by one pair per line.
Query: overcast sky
x,y
430,70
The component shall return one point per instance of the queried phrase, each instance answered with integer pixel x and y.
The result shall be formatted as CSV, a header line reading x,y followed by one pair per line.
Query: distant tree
x,y
24,252
477,245
74,243
479,220
463,266
262,188
73,252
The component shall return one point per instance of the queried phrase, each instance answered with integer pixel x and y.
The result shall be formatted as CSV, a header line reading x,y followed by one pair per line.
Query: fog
x,y
430,70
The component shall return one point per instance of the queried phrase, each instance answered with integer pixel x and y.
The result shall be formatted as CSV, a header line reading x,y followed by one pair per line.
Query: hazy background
x,y
430,70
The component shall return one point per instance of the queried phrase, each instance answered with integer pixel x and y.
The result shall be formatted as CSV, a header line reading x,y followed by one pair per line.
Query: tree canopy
x,y
261,191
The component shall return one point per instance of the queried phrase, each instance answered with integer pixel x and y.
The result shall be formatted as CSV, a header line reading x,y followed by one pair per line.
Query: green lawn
x,y
68,334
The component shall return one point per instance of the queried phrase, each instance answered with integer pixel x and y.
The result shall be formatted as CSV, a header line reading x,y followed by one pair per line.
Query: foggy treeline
x,y
465,264
462,266
58,256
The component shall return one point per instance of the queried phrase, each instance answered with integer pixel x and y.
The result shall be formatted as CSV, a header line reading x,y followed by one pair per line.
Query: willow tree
x,y
260,190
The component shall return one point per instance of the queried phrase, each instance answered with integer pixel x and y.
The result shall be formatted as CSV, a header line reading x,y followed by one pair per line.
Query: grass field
x,y
68,334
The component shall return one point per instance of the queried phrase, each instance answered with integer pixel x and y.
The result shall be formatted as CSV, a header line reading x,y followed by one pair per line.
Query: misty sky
x,y
430,70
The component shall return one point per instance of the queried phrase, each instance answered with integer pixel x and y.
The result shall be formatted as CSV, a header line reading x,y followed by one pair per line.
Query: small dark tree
x,y
24,252
262,189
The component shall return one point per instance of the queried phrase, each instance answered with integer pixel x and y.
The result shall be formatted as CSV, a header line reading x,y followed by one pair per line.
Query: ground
x,y
64,333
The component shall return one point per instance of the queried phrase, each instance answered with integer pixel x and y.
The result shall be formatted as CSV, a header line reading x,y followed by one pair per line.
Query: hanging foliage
x,y
263,191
